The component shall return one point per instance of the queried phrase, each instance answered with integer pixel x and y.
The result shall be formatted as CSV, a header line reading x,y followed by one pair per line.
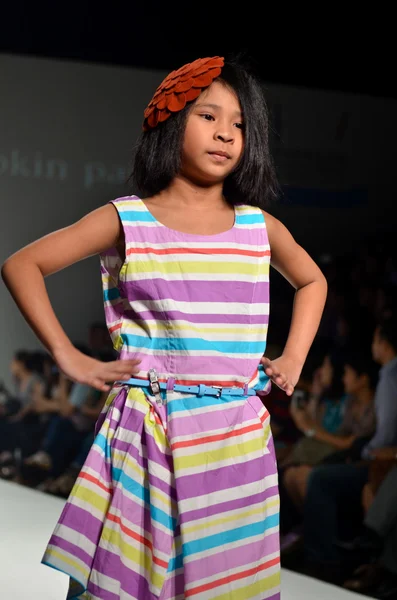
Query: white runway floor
x,y
27,518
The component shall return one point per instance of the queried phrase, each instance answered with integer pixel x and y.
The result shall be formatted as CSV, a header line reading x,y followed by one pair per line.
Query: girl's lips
x,y
219,156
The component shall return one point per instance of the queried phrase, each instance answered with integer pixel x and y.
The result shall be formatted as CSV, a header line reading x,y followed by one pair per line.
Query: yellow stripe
x,y
143,559
223,453
131,204
270,503
233,268
139,324
89,496
69,561
247,209
254,589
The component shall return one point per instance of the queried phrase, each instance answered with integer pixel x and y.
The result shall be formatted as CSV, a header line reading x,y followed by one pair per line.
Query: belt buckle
x,y
219,388
154,385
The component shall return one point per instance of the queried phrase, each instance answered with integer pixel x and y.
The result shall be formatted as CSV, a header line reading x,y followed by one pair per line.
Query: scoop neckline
x,y
184,233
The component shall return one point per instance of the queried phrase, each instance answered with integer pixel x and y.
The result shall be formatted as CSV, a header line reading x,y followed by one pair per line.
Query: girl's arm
x,y
93,234
300,270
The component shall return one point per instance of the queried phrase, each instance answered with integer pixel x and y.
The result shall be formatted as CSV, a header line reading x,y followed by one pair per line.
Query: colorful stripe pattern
x,y
192,306
179,501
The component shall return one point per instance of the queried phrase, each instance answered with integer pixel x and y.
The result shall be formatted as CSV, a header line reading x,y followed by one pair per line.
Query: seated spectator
x,y
62,485
336,489
323,410
27,382
77,411
378,539
360,379
325,405
75,416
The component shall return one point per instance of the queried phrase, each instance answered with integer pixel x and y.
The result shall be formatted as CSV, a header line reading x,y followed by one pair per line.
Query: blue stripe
x,y
169,344
101,442
192,402
250,219
175,563
135,488
111,294
223,538
136,215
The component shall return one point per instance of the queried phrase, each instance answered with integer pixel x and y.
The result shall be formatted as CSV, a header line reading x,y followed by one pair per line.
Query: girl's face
x,y
326,372
214,140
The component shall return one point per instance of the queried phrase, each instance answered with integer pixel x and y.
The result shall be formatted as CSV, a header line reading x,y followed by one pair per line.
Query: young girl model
x,y
178,497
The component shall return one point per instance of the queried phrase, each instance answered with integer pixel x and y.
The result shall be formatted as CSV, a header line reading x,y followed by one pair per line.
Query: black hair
x,y
388,330
336,389
27,358
158,153
363,364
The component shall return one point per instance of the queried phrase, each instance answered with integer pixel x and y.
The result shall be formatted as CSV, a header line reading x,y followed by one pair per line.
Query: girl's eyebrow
x,y
216,107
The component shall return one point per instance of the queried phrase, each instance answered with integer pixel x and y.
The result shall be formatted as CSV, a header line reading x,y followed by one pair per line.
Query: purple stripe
x,y
224,478
73,549
99,464
200,291
223,507
174,315
164,236
82,521
223,562
131,582
173,587
220,420
103,594
200,365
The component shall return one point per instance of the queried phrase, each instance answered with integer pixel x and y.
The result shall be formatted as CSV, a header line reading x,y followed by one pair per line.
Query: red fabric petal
x,y
170,84
185,69
181,86
184,86
215,72
217,61
163,115
162,103
176,102
152,119
203,80
192,94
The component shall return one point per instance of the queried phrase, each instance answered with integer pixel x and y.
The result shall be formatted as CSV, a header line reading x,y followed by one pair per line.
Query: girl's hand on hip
x,y
84,369
283,372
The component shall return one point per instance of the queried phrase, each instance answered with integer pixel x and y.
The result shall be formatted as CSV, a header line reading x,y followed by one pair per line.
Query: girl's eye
x,y
239,125
207,117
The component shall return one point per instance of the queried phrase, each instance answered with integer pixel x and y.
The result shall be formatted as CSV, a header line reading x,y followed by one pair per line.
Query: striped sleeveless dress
x,y
180,500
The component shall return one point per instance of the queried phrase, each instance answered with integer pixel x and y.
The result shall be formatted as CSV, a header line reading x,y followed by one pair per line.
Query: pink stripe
x,y
200,365
153,234
224,419
223,507
223,562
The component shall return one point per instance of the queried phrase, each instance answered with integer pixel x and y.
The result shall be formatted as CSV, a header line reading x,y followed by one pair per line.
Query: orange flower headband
x,y
180,87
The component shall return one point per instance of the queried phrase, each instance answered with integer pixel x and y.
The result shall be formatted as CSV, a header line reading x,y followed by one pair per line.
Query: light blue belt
x,y
197,390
